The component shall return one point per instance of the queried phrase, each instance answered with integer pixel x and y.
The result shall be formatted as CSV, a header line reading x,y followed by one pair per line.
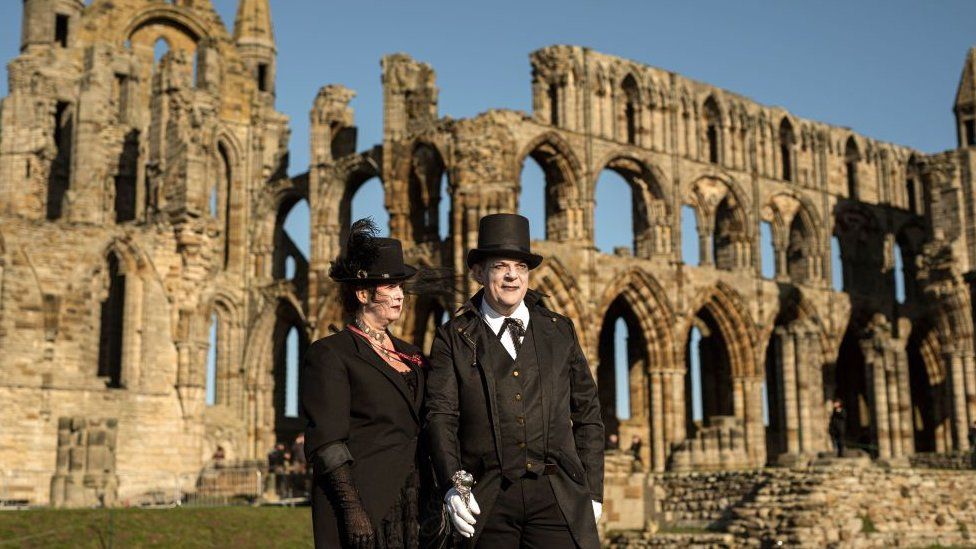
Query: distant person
x,y
298,454
276,458
838,426
613,442
218,457
635,448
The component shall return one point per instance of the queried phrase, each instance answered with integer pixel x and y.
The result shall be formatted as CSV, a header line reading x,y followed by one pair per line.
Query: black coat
x,y
462,419
351,395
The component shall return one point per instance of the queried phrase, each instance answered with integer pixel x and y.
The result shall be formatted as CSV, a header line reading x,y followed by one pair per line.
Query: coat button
x,y
515,373
521,445
518,396
528,465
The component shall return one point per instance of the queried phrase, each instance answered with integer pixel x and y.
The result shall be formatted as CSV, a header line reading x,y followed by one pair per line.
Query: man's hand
x,y
462,515
597,510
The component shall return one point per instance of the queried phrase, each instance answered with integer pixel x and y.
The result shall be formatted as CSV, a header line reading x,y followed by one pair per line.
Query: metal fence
x,y
230,484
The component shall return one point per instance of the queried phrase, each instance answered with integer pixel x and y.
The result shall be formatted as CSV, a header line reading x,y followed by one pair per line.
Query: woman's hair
x,y
349,302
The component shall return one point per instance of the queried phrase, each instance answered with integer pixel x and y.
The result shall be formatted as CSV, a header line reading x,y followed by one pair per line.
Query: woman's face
x,y
383,304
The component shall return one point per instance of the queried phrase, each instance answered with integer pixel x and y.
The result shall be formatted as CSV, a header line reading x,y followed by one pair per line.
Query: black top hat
x,y
368,259
504,235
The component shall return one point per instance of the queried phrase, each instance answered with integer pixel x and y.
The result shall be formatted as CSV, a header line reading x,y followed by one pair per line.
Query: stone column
x,y
657,421
786,361
804,358
954,366
905,420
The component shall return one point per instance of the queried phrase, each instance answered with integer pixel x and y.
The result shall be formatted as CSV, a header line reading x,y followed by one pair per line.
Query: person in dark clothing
x,y
512,406
362,391
838,426
276,458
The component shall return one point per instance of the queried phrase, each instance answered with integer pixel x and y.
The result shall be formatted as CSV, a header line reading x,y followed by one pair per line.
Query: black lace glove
x,y
355,528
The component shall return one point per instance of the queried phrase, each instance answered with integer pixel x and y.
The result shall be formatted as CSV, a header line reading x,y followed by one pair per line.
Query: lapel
x,y
475,334
543,333
366,353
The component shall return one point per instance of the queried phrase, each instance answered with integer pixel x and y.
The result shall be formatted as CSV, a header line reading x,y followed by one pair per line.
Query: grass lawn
x,y
235,527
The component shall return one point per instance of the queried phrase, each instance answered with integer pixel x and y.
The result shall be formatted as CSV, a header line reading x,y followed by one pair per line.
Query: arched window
x,y
899,272
690,238
212,359
222,195
59,177
111,325
426,191
291,373
292,241
613,214
631,108
713,130
767,250
851,158
623,361
160,49
786,141
532,200
912,187
836,265
694,403
554,104
729,239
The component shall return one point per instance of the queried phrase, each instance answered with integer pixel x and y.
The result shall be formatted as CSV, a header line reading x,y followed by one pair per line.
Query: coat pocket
x,y
572,467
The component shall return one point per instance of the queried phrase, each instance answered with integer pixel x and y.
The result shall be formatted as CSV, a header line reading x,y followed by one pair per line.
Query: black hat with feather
x,y
370,259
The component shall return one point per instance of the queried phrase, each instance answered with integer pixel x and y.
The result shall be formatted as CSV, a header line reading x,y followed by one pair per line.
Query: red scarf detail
x,y
415,359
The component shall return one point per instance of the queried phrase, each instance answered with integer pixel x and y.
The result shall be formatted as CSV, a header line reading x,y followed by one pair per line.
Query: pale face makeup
x,y
505,281
381,306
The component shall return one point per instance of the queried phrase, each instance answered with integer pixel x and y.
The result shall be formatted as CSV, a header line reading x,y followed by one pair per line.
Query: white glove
x,y
597,510
462,516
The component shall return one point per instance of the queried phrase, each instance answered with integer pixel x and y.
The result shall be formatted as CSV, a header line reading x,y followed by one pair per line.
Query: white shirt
x,y
494,319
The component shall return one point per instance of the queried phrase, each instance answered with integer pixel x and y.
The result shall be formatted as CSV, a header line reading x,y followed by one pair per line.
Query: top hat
x,y
370,260
504,235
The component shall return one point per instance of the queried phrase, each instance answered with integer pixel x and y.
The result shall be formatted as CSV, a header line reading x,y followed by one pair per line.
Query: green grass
x,y
867,525
236,527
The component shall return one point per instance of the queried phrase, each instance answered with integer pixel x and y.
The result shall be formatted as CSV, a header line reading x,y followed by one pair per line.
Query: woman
x,y
361,391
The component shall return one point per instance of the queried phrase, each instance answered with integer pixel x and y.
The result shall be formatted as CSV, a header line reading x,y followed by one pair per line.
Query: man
x,y
511,402
838,426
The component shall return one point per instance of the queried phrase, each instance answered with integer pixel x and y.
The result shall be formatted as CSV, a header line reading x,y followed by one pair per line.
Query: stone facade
x,y
142,200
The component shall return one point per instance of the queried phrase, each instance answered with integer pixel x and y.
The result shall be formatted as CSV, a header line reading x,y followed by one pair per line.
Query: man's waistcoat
x,y
518,393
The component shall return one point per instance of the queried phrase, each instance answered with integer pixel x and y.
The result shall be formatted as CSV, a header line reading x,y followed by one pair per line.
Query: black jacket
x,y
462,419
351,396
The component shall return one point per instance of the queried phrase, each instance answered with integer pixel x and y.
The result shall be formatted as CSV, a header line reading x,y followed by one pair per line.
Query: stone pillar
x,y
657,421
786,360
954,366
804,371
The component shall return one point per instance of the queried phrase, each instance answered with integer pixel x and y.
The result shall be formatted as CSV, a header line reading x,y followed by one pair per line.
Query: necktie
x,y
516,329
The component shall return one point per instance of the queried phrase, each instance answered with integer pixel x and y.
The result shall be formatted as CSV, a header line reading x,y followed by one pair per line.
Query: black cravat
x,y
516,329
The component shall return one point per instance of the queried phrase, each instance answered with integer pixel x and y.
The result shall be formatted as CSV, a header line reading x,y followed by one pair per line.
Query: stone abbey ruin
x,y
142,201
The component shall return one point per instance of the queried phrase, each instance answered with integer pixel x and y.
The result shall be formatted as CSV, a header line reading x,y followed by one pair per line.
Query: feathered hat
x,y
370,259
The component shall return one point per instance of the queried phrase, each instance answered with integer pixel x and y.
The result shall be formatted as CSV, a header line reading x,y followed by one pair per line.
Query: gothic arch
x,y
562,295
652,217
271,206
725,230
563,174
182,20
798,238
645,296
738,329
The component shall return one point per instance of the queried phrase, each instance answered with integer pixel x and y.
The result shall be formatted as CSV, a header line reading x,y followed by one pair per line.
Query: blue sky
x,y
888,69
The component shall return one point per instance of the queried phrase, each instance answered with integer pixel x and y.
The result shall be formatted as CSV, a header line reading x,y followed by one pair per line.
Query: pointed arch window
x,y
713,130
786,142
851,158
631,108
111,325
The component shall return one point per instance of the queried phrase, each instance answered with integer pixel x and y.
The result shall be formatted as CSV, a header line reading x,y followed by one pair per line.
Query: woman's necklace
x,y
378,335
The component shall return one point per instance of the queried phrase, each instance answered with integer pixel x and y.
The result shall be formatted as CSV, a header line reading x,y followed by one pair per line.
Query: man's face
x,y
505,282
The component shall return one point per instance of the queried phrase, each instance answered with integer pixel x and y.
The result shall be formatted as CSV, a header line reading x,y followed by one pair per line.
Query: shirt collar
x,y
494,319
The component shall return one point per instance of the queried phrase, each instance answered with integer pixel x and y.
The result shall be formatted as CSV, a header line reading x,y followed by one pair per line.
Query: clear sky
x,y
886,68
